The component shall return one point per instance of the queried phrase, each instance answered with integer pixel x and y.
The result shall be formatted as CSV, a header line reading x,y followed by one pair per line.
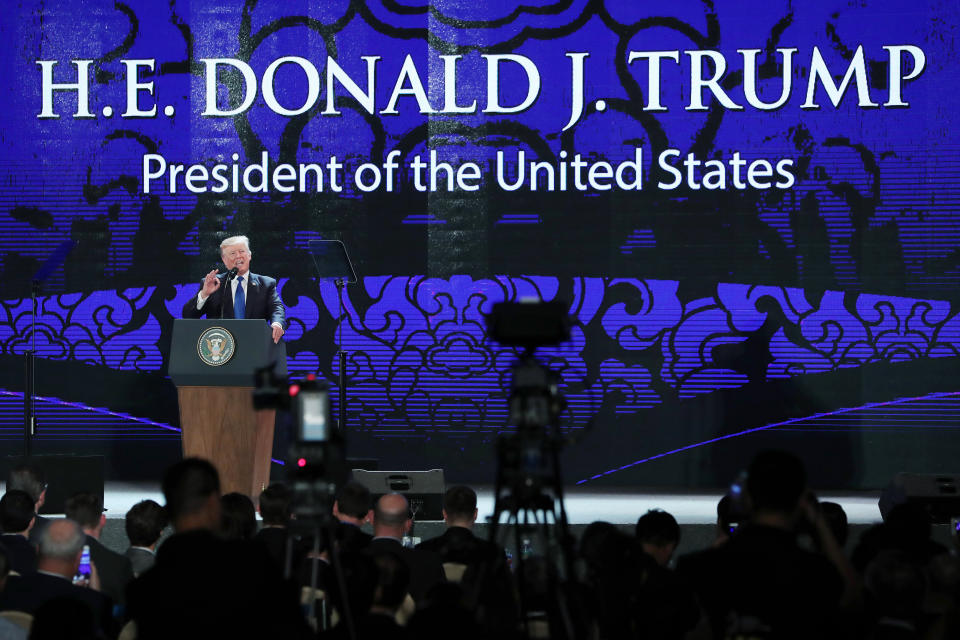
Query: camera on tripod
x,y
316,462
529,484
525,458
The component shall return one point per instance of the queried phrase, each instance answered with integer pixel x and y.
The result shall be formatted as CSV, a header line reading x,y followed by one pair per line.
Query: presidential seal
x,y
216,346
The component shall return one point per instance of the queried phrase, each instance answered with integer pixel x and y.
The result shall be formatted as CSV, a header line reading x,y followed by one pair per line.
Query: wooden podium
x,y
212,363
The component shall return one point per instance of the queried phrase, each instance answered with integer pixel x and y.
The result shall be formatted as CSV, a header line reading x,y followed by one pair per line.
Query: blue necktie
x,y
239,301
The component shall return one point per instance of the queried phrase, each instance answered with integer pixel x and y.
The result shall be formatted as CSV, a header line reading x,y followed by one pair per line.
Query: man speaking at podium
x,y
249,295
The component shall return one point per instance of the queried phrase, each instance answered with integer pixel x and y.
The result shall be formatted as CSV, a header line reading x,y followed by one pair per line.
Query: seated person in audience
x,y
8,630
61,618
727,521
353,508
391,521
30,478
906,528
629,594
761,583
659,535
457,543
275,535
836,519
393,581
672,609
202,585
895,590
238,517
16,520
61,546
614,565
486,581
114,569
144,524
377,586
446,611
942,603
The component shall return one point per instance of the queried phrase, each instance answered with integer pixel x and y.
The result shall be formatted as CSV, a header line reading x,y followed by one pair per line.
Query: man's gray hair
x,y
29,478
62,539
232,240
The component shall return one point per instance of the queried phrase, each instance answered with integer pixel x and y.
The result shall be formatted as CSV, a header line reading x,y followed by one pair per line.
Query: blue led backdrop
x,y
749,207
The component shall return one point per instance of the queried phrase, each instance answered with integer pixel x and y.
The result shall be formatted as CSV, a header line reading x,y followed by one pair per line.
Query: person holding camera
x,y
761,582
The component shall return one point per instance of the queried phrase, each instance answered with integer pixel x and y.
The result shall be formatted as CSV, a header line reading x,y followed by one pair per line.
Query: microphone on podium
x,y
227,277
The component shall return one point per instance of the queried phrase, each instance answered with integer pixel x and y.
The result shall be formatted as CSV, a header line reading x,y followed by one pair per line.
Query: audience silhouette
x,y
775,570
203,585
144,524
16,521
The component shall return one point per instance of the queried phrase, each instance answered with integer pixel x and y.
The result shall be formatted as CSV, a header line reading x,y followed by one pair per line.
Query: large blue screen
x,y
750,209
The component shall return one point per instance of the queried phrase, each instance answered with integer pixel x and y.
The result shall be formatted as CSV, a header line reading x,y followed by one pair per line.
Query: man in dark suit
x,y
458,544
144,524
486,579
16,520
205,587
391,521
353,508
8,630
115,570
30,478
248,295
60,548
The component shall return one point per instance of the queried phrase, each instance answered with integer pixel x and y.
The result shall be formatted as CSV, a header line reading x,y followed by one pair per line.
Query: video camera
x,y
316,462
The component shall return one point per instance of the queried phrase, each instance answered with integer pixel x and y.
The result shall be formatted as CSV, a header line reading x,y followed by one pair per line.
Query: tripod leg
x,y
335,560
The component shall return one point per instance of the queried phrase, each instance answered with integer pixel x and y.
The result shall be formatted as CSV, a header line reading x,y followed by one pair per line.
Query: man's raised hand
x,y
210,284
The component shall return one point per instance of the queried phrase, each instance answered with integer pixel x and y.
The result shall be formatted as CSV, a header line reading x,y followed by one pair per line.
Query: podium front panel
x,y
223,353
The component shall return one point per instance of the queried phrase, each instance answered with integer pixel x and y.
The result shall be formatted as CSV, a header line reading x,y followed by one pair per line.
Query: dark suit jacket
x,y
458,544
39,526
21,554
426,569
262,301
140,559
275,540
487,582
115,570
373,626
28,592
351,538
205,587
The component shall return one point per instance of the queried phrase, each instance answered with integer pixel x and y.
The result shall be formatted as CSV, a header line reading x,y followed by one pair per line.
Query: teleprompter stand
x,y
331,263
65,472
51,264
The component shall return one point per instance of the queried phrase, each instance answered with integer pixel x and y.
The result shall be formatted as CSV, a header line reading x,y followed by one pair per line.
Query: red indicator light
x,y
301,462
311,377
294,390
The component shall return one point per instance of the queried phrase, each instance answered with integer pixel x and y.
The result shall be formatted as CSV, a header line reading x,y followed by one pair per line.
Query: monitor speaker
x,y
423,489
65,475
938,494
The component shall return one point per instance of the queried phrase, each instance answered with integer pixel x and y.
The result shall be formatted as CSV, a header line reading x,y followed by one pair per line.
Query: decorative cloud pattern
x,y
419,357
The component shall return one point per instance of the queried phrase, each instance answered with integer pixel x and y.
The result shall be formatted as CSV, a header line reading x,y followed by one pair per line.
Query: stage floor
x,y
583,507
